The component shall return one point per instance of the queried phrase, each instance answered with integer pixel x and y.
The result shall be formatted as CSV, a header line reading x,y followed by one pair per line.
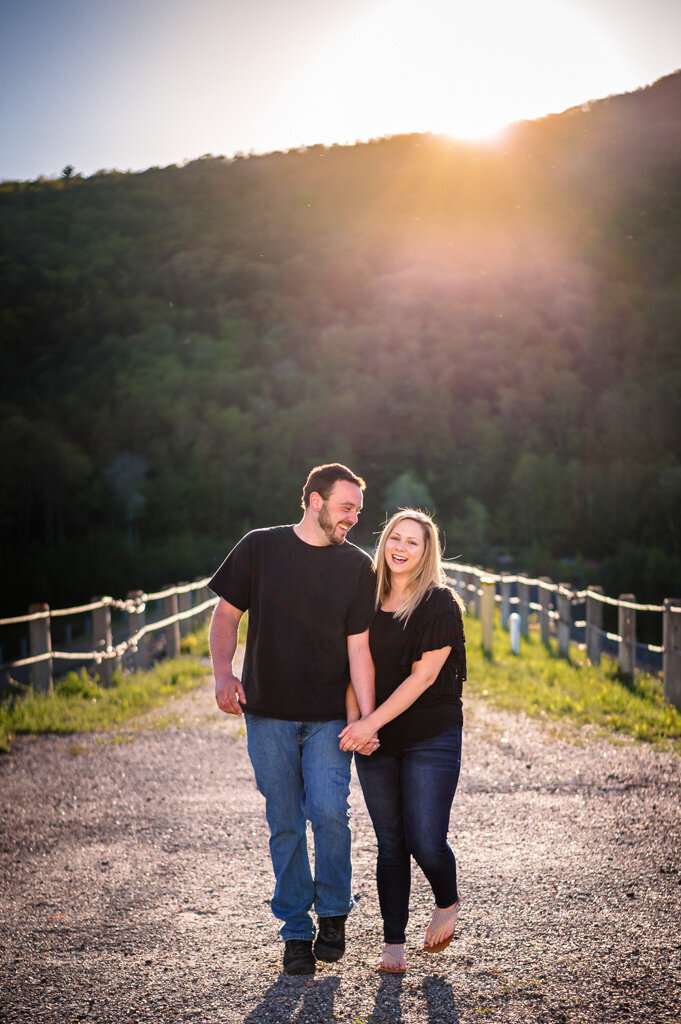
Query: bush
x,y
78,684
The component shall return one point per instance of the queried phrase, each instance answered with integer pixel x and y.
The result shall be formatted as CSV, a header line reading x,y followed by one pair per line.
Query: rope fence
x,y
179,604
553,606
555,611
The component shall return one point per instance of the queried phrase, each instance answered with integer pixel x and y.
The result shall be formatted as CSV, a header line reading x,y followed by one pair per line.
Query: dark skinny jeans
x,y
409,798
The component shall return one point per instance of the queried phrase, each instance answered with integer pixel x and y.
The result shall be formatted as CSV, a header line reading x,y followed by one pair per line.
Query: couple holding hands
x,y
347,657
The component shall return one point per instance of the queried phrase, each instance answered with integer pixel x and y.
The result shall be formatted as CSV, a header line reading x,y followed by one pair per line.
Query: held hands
x,y
359,736
229,693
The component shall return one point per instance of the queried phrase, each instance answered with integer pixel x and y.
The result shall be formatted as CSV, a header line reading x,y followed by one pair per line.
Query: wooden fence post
x,y
477,595
671,670
40,642
487,612
524,608
171,631
202,594
461,585
469,600
465,593
544,614
136,621
626,630
184,603
564,618
594,626
505,602
102,638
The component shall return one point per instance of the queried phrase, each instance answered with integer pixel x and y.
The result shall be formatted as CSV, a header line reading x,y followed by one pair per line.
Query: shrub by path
x,y
135,883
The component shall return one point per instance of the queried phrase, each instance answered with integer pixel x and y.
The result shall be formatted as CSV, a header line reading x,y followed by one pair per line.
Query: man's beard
x,y
329,528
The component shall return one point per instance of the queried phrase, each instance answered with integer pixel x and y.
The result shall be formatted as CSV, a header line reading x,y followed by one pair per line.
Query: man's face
x,y
339,513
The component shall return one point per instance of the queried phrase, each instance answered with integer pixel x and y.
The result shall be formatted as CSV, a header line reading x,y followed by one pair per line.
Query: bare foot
x,y
393,960
440,931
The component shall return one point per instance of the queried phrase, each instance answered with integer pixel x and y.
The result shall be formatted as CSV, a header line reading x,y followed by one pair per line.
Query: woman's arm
x,y
423,674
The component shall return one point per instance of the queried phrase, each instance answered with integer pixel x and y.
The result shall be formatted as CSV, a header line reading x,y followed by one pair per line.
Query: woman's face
x,y
404,547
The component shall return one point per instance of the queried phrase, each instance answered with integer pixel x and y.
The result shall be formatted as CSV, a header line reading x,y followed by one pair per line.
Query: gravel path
x,y
135,883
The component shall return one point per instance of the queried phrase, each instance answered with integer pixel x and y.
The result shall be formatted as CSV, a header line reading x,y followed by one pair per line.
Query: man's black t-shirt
x,y
435,623
303,602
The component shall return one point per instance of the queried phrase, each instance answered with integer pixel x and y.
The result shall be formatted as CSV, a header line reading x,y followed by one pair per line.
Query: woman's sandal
x,y
439,920
393,960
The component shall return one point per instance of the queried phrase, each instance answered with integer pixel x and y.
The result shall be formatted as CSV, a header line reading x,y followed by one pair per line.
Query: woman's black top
x,y
435,623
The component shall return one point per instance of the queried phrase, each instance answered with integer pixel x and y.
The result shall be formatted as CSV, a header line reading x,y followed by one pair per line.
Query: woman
x,y
417,643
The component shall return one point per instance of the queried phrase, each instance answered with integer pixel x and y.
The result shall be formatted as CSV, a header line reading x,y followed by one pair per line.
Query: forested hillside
x,y
488,331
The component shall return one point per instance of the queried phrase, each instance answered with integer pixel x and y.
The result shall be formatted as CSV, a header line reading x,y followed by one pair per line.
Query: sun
x,y
464,69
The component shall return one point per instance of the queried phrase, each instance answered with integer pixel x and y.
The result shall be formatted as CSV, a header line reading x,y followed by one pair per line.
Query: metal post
x,y
671,667
564,618
544,616
626,630
136,621
40,642
505,602
594,626
487,612
524,608
172,631
514,629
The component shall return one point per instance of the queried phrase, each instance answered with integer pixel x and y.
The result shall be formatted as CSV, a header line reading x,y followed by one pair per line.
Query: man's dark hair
x,y
322,478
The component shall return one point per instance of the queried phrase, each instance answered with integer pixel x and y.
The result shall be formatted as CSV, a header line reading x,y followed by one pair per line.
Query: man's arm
x,y
362,672
352,712
361,693
224,633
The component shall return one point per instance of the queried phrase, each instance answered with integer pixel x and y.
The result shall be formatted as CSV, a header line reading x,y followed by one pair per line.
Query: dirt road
x,y
135,884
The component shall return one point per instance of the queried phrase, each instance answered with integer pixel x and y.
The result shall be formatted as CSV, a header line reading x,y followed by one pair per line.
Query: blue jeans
x,y
409,798
303,774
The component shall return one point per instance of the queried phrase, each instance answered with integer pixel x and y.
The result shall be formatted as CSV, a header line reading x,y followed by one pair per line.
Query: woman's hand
x,y
360,736
369,747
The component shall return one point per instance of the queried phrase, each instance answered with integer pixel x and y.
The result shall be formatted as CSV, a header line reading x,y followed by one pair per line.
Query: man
x,y
307,670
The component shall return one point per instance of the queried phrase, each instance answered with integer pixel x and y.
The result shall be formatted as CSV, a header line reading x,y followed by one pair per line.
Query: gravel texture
x,y
135,884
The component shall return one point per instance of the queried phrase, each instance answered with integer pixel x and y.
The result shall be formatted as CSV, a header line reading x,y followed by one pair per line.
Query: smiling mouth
x,y
400,559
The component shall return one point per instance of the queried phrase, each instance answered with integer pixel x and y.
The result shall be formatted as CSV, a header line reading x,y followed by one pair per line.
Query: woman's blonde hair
x,y
428,573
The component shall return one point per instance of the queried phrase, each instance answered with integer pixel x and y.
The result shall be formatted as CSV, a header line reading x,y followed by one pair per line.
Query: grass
x,y
80,704
542,684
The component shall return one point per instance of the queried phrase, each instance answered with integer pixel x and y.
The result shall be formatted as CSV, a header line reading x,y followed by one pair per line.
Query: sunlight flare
x,y
456,68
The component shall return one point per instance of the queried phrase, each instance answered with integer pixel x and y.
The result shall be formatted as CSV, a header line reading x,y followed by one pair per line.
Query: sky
x,y
130,84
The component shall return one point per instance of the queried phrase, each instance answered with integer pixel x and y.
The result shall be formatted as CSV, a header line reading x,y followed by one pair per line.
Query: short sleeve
x,y
363,606
232,581
442,627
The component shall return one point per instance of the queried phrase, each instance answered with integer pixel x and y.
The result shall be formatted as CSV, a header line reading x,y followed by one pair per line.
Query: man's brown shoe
x,y
330,944
298,958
